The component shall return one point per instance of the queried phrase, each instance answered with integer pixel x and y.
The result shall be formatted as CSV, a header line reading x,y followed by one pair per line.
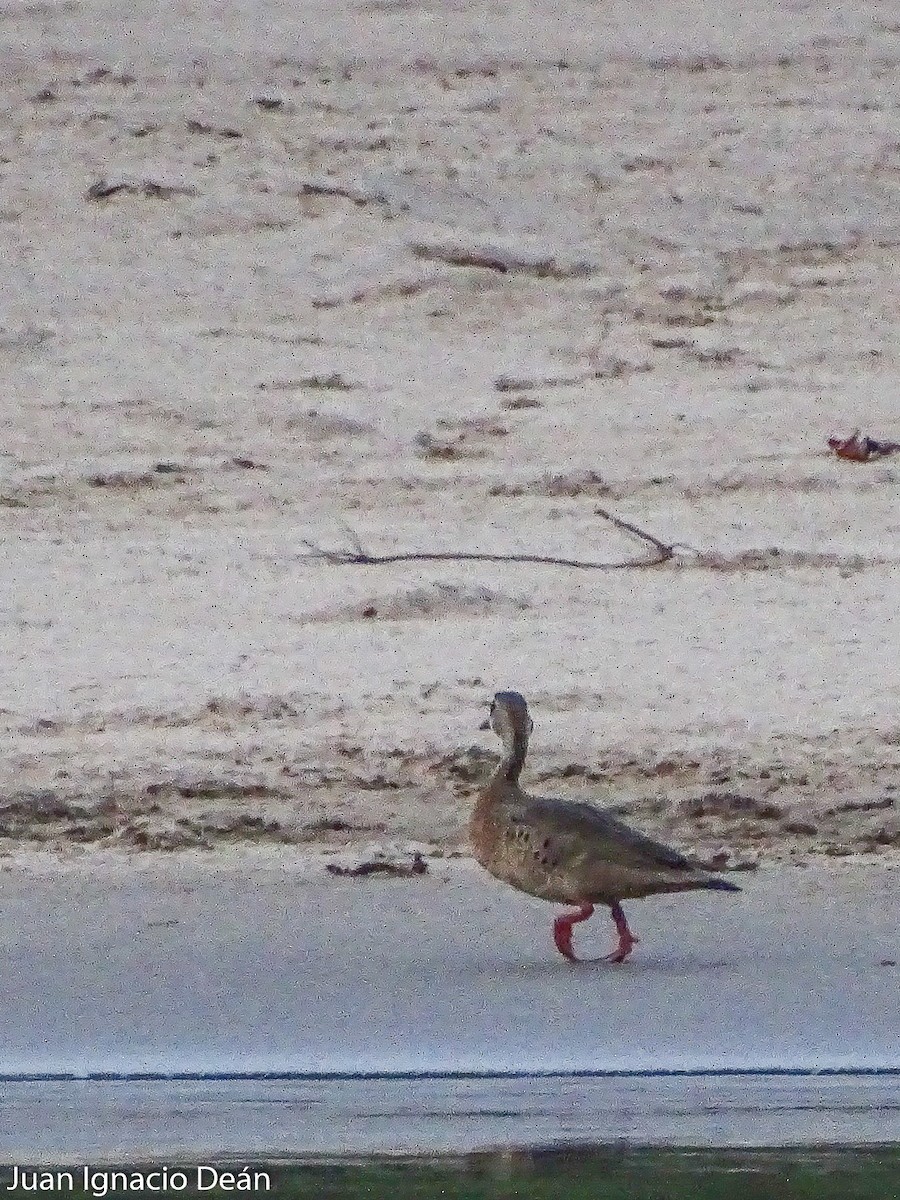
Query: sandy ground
x,y
447,276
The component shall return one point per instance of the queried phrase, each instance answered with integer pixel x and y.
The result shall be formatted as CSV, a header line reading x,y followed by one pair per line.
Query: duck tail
x,y
716,884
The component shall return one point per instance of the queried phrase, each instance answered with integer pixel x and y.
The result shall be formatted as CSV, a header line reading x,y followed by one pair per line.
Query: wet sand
x,y
254,962
145,995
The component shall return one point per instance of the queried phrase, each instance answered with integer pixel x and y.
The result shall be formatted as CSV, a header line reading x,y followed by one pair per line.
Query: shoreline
x,y
787,798
365,1123
434,984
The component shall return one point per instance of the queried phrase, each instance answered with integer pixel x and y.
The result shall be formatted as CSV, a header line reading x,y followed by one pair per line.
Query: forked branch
x,y
356,555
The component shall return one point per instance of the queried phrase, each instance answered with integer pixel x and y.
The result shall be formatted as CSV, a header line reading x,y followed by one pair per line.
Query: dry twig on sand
x,y
379,866
357,555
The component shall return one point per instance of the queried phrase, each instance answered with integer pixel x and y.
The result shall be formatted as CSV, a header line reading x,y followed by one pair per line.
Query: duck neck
x,y
514,758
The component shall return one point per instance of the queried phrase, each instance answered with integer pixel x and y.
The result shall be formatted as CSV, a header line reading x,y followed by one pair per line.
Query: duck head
x,y
510,720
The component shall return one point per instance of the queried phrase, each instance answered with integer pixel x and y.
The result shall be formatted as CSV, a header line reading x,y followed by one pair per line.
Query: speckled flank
x,y
565,851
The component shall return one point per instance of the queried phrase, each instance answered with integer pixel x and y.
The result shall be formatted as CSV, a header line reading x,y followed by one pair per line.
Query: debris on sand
x,y
224,131
728,859
382,866
104,189
860,448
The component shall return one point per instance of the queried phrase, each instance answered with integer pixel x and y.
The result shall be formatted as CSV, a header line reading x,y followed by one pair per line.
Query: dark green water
x,y
573,1174
616,1175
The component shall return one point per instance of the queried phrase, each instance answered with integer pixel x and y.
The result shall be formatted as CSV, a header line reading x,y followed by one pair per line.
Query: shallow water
x,y
579,1173
105,1120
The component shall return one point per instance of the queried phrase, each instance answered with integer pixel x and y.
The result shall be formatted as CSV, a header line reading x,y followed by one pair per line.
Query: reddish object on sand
x,y
860,448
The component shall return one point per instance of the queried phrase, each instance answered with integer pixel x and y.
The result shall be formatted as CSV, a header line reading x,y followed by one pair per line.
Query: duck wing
x,y
571,832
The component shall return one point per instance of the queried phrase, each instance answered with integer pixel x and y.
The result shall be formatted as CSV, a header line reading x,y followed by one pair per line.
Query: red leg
x,y
627,940
562,930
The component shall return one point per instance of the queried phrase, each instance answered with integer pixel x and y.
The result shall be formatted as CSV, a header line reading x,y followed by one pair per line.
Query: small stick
x,y
360,557
665,550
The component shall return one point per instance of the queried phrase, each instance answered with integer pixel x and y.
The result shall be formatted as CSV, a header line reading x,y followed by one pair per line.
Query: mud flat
x,y
249,1004
232,964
